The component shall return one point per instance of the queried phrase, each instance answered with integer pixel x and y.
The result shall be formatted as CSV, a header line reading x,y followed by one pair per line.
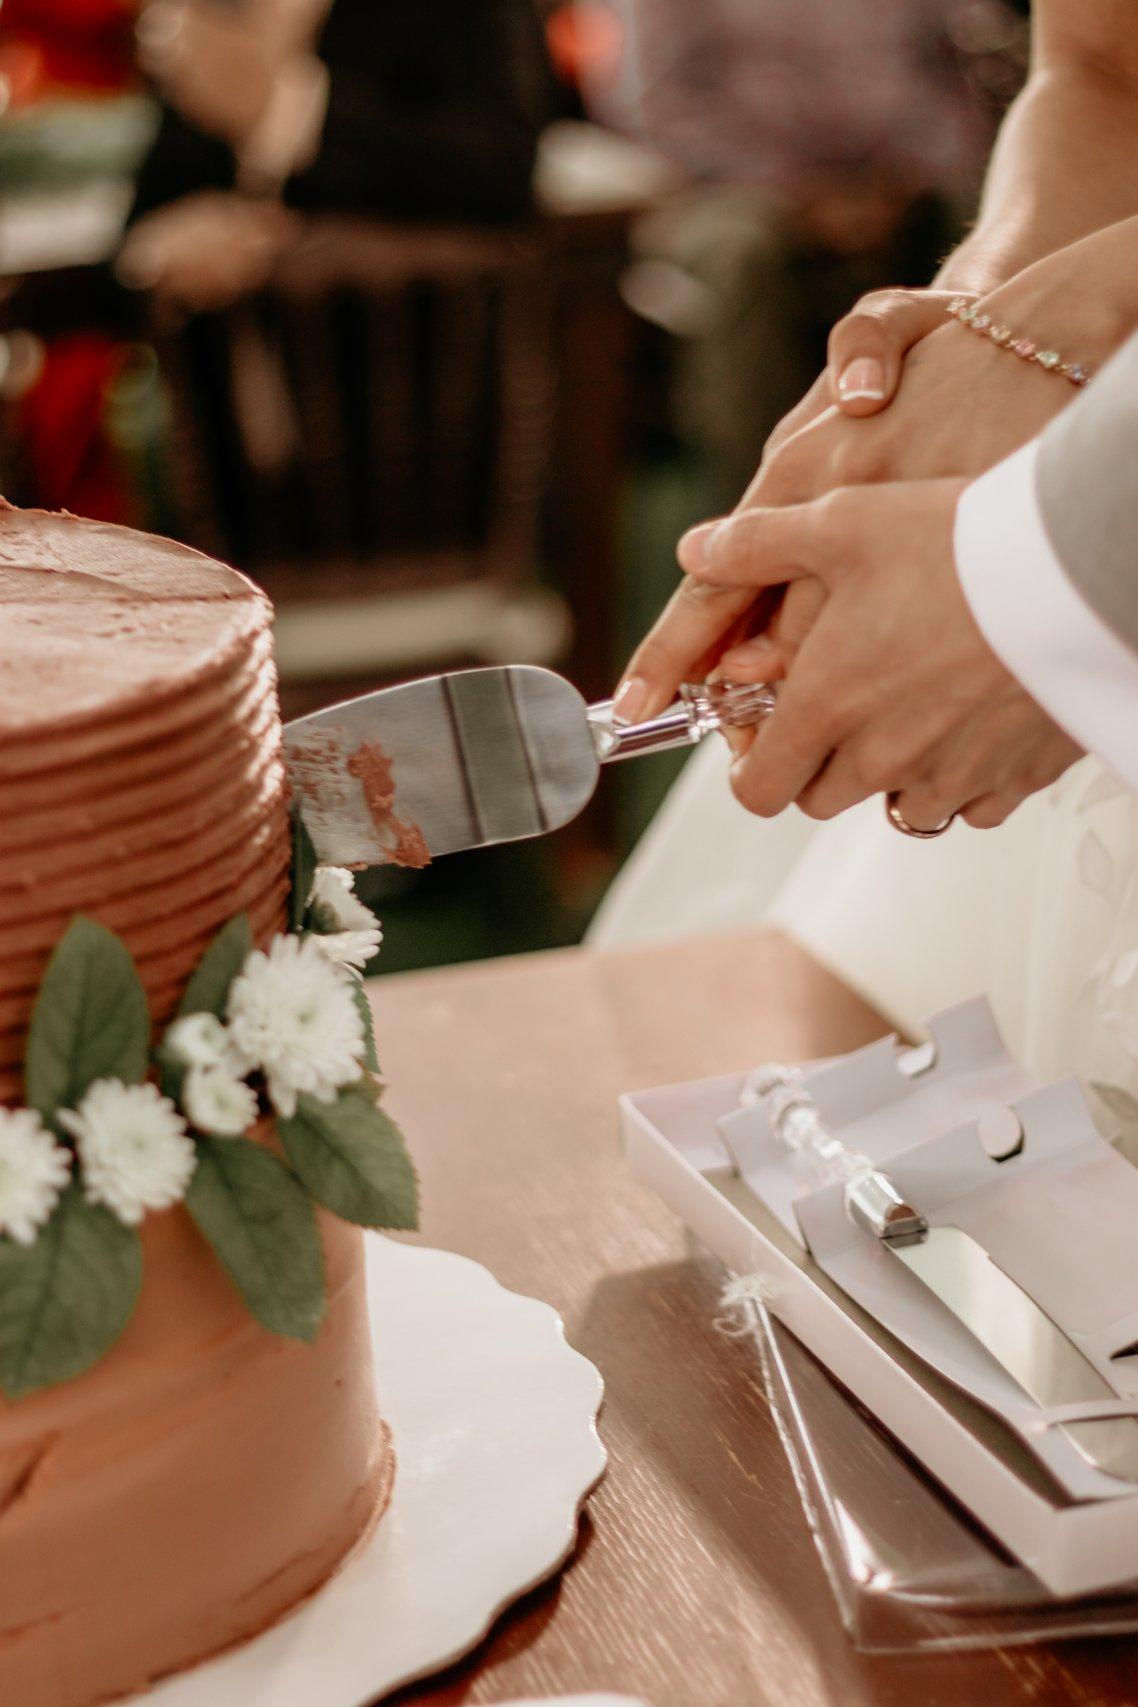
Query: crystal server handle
x,y
871,1198
701,709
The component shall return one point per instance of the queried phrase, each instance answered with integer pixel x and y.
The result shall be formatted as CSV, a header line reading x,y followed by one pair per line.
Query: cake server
x,y
1024,1340
475,757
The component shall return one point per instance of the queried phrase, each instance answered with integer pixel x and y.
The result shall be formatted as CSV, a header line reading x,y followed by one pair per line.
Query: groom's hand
x,y
894,688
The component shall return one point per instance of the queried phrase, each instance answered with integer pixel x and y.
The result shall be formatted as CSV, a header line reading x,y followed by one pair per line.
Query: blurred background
x,y
443,318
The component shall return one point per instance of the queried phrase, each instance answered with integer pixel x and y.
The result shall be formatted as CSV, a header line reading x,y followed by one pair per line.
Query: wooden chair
x,y
370,439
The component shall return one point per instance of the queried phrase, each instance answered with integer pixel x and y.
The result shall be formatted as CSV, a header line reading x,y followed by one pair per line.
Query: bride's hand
x,y
868,346
865,353
962,405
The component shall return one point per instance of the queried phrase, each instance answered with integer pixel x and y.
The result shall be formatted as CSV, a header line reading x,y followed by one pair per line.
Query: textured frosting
x,y
141,778
196,1484
206,1475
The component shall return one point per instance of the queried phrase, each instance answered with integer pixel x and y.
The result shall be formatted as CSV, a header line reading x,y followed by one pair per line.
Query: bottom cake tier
x,y
192,1488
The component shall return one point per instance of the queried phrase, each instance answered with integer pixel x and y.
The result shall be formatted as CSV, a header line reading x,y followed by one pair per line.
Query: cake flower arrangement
x,y
113,1131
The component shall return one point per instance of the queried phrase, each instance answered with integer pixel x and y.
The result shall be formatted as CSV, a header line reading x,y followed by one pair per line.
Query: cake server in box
x,y
1013,1329
475,757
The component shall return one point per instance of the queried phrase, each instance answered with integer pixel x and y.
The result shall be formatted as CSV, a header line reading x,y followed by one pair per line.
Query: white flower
x,y
350,933
133,1148
351,949
197,1040
33,1171
294,1013
333,892
200,1040
217,1103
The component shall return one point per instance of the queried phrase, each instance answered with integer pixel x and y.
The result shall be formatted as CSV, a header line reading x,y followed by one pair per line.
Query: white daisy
x,y
132,1146
333,895
197,1040
350,934
33,1171
350,949
294,1013
217,1103
201,1040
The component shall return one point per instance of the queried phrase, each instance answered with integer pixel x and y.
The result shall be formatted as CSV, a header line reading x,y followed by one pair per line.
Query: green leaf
x,y
67,1298
371,1056
261,1224
89,1022
208,990
352,1157
303,870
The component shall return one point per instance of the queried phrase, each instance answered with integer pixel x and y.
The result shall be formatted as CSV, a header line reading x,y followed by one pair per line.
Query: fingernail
x,y
863,378
693,548
629,700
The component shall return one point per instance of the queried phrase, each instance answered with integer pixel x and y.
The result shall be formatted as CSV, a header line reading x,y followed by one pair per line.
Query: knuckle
x,y
829,506
874,768
818,732
986,814
753,791
817,802
954,783
860,326
751,796
797,617
698,590
870,316
830,517
850,462
784,476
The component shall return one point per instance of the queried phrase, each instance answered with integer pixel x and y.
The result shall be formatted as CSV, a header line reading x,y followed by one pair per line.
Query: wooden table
x,y
695,1583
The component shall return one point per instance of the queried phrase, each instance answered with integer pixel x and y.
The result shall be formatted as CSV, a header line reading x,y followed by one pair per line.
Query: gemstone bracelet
x,y
970,315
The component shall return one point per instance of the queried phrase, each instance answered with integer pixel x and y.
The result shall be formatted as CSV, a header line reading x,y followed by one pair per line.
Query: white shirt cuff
x,y
1037,622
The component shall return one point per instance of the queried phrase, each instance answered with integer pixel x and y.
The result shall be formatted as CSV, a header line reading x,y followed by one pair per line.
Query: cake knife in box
x,y
475,757
1015,1330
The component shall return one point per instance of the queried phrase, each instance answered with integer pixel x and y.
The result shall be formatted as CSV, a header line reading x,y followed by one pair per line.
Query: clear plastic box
x,y
910,1570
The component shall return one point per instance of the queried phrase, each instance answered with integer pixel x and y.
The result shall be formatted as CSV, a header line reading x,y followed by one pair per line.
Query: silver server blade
x,y
435,766
1023,1339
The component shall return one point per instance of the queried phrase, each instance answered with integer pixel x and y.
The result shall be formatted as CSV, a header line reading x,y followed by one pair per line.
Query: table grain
x,y
695,1583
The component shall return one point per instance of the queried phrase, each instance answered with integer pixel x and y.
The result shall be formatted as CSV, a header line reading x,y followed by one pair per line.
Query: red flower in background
x,y
71,461
48,46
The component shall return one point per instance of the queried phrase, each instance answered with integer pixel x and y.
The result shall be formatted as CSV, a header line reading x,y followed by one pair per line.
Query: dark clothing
x,y
433,114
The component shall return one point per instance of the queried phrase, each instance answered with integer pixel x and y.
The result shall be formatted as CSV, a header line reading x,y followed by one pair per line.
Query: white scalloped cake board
x,y
494,1419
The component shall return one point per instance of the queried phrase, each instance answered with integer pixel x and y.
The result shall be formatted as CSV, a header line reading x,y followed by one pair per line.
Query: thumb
x,y
868,347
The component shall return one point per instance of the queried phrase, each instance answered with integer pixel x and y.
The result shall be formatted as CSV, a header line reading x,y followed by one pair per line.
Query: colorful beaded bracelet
x,y
970,315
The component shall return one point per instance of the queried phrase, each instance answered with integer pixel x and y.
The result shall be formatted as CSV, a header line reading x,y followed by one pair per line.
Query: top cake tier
x,y
141,779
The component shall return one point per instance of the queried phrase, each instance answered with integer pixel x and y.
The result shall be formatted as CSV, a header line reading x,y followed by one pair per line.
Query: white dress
x,y
1040,914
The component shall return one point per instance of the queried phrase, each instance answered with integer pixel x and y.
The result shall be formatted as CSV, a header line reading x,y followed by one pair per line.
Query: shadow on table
x,y
692,1397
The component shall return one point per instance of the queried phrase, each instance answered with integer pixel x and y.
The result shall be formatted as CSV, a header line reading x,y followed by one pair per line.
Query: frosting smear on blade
x,y
372,768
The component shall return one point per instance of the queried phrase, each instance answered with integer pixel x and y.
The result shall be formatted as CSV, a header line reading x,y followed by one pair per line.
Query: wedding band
x,y
899,822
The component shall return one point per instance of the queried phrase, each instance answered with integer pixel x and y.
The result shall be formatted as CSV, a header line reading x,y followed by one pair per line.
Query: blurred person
x,y
832,147
785,93
402,109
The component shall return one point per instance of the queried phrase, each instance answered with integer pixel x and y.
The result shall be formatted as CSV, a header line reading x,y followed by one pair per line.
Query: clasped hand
x,y
887,684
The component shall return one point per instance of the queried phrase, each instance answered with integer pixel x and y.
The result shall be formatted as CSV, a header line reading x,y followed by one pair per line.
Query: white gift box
x,y
1075,1542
